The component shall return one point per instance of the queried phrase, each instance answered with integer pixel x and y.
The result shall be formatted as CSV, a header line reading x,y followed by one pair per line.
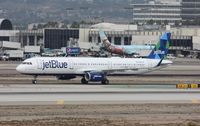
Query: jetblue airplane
x,y
93,69
122,49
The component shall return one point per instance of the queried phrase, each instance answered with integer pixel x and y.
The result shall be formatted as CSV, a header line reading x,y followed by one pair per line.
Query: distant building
x,y
190,9
30,37
184,39
178,42
57,38
166,10
6,31
53,38
157,10
5,24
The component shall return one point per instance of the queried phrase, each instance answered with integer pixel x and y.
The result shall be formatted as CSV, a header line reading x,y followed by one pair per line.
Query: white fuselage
x,y
81,65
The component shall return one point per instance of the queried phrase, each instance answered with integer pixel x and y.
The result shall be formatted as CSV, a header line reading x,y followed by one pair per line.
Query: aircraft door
x,y
150,65
39,64
71,65
109,64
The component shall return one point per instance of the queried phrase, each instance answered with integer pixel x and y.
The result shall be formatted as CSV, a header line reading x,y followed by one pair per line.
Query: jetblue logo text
x,y
54,64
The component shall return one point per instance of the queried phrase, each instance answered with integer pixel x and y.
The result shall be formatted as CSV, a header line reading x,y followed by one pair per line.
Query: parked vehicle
x,y
180,56
71,51
170,56
4,57
14,54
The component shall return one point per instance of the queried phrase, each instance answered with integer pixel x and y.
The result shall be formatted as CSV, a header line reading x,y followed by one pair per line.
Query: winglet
x,y
160,62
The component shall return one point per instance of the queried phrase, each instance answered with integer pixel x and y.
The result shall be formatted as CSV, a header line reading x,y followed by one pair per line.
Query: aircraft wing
x,y
107,70
128,51
111,70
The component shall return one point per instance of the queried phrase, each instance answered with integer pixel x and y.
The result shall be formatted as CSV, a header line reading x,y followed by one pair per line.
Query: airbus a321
x,y
92,69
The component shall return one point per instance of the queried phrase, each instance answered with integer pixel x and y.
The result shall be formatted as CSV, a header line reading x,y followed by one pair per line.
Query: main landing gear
x,y
105,81
84,81
34,81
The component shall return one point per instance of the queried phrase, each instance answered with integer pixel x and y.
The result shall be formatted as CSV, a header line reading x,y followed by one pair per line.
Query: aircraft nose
x,y
19,69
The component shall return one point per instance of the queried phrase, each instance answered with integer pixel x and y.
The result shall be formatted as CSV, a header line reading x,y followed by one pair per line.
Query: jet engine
x,y
95,76
65,77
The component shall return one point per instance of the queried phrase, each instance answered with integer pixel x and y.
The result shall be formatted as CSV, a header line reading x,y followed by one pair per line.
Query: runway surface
x,y
182,71
71,94
149,99
154,87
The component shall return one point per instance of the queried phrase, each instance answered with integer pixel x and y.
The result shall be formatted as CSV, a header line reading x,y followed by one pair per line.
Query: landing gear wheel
x,y
84,81
105,81
34,81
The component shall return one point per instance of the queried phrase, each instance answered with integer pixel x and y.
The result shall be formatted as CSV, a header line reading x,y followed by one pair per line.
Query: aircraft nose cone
x,y
19,69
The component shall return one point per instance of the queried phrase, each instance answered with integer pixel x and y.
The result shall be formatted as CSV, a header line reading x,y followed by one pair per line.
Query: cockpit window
x,y
28,63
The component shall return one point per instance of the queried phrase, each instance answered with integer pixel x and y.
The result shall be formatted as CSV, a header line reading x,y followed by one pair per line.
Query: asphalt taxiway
x,y
154,87
149,99
94,94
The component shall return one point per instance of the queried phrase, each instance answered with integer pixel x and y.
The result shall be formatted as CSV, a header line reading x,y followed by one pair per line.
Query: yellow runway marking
x,y
185,86
60,102
194,86
195,101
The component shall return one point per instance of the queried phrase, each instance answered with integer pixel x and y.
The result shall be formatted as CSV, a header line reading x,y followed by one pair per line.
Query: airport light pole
x,y
128,9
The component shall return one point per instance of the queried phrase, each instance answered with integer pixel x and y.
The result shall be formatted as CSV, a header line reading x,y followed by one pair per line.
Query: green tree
x,y
150,22
83,22
75,25
34,27
40,26
166,22
158,22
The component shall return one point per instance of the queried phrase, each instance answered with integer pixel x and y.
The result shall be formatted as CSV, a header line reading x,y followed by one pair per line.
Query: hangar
x,y
5,24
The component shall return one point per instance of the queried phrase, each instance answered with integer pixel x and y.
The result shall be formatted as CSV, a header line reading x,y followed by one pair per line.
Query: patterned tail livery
x,y
162,47
104,39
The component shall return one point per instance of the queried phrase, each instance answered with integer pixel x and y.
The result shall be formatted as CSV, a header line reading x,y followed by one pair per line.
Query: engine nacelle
x,y
94,76
65,77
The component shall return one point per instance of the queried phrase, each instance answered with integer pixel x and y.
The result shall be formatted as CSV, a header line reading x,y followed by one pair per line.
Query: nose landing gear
x,y
105,81
84,81
34,81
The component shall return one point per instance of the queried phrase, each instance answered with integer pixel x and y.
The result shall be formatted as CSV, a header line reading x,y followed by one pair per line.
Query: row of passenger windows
x,y
102,64
99,64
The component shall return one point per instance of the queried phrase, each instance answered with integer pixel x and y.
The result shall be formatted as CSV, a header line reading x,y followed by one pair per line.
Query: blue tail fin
x,y
161,48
